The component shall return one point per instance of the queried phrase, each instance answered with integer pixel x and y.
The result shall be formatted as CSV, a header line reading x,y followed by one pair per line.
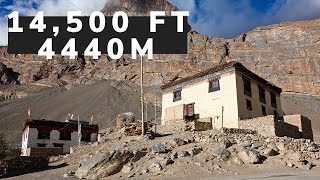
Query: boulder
x,y
103,164
195,150
159,148
222,154
249,156
269,152
177,142
307,166
155,167
238,161
127,168
181,154
295,156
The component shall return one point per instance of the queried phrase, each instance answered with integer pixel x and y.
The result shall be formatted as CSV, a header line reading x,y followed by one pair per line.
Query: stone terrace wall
x,y
264,126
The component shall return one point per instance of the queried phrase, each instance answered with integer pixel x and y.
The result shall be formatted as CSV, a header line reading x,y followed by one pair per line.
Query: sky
x,y
215,18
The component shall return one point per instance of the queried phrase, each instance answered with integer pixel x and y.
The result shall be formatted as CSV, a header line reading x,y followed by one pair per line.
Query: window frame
x,y
41,144
247,83
249,105
273,99
41,134
175,98
263,110
65,137
84,138
262,94
216,87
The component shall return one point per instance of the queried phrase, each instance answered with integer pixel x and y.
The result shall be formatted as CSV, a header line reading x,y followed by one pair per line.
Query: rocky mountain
x,y
287,54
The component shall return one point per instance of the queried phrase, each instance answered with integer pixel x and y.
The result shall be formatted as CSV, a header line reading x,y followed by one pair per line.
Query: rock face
x,y
103,164
286,54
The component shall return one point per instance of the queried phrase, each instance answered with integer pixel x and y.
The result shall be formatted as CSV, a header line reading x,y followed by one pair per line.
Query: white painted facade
x,y
30,139
225,106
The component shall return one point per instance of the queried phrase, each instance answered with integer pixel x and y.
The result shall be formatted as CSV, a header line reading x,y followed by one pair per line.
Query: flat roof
x,y
238,66
57,125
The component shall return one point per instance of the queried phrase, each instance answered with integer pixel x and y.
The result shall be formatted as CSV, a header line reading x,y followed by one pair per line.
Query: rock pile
x,y
145,156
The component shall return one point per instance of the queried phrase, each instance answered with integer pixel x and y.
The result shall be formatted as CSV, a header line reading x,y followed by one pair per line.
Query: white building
x,y
48,134
225,94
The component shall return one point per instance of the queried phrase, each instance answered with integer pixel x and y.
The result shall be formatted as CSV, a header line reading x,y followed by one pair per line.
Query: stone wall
x,y
303,123
264,126
284,129
43,151
23,164
270,126
203,124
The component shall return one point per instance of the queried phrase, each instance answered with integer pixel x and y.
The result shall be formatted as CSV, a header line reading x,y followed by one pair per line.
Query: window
x,y
85,137
58,145
214,85
273,99
249,105
247,86
177,95
275,113
65,135
263,110
262,95
43,134
41,145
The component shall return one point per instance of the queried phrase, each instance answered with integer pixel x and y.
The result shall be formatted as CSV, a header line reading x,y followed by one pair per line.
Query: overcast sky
x,y
218,18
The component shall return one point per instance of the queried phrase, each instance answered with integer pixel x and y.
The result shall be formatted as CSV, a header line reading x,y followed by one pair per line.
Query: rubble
x,y
209,150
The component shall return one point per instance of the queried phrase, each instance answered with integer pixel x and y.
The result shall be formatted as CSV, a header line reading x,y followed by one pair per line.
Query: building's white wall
x,y
244,113
33,140
94,137
209,104
24,144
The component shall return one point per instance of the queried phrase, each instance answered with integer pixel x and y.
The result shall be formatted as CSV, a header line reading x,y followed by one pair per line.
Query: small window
x,y
65,135
247,87
262,95
41,145
176,95
273,99
275,113
214,85
86,137
263,110
57,145
43,134
249,105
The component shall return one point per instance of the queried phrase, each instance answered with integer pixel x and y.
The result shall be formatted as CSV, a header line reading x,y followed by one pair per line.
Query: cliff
x,y
286,54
